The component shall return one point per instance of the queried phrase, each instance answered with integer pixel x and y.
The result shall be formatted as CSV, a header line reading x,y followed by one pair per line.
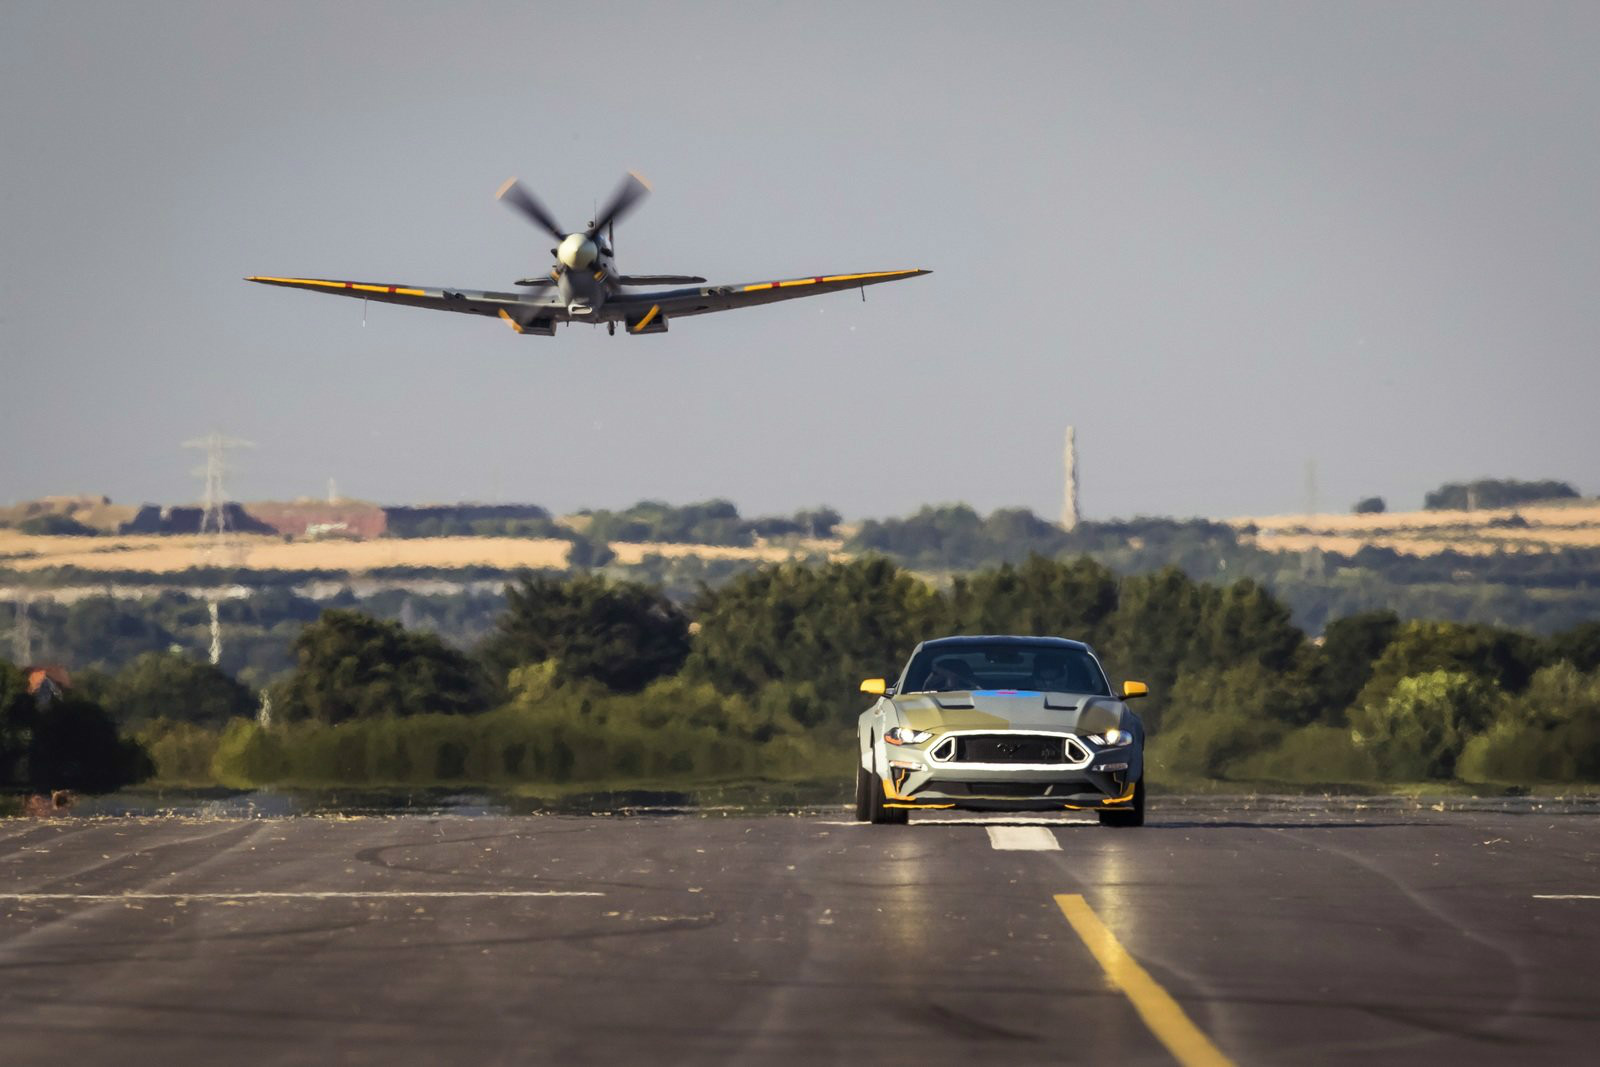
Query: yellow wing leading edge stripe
x,y
359,287
511,322
830,278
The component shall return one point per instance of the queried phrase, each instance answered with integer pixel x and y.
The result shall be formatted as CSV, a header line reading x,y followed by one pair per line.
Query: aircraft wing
x,y
519,309
706,299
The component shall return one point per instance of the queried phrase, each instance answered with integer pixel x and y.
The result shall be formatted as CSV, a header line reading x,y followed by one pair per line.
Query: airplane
x,y
589,288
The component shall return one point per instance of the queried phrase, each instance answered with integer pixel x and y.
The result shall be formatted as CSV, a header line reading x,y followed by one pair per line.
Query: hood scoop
x,y
1061,701
954,702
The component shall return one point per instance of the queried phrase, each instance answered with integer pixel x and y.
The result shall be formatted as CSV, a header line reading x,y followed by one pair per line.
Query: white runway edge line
x,y
1566,896
1023,839
389,894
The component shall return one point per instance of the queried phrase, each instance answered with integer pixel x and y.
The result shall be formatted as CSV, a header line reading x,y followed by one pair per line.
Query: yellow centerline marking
x,y
1188,1045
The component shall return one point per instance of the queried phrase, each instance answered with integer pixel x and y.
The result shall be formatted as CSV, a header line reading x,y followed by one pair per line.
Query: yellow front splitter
x,y
894,799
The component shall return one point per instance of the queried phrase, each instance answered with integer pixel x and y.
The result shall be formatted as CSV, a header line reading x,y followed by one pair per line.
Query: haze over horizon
x,y
1221,240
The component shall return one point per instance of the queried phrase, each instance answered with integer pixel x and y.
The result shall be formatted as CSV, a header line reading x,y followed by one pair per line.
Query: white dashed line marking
x,y
1023,839
1566,896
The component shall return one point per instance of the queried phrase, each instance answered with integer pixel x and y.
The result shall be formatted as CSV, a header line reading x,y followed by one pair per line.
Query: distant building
x,y
319,518
48,683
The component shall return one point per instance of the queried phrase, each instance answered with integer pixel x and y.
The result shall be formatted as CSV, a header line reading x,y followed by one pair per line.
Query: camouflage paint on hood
x,y
1013,709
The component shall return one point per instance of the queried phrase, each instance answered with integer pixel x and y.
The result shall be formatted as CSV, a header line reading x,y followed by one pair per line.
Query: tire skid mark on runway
x,y
1510,1008
972,1028
1167,1021
222,839
375,854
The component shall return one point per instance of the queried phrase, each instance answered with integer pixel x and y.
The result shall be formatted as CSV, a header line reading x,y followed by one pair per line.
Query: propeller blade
x,y
514,193
629,193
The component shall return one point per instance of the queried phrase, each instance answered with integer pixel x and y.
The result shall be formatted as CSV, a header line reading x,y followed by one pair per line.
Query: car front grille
x,y
1042,790
1010,748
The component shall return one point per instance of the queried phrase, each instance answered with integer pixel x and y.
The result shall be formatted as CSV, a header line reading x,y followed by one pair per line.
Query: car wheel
x,y
877,814
863,797
1129,816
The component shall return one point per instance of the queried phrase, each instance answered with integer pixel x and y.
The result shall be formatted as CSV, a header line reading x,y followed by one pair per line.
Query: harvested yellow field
x,y
170,554
1539,528
165,555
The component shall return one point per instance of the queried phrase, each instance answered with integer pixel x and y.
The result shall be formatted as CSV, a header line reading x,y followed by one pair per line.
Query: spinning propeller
x,y
574,251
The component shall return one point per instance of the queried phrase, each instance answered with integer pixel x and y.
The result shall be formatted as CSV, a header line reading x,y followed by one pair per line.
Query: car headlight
x,y
1113,738
904,735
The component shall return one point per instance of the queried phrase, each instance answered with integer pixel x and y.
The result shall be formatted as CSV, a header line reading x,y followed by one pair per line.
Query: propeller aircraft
x,y
587,285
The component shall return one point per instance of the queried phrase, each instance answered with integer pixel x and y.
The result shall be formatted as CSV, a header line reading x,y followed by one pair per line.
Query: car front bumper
x,y
1106,782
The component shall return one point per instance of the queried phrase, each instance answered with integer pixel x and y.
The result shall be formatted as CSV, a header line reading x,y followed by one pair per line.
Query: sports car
x,y
1001,724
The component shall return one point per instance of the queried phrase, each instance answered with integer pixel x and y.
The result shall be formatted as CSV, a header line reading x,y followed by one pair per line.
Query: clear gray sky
x,y
1221,239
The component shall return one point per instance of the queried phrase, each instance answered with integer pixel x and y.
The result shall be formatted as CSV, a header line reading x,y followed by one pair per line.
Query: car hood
x,y
1009,709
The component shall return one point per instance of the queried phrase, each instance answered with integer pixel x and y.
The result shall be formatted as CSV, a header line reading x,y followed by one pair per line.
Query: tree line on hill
x,y
587,679
1540,591
1492,493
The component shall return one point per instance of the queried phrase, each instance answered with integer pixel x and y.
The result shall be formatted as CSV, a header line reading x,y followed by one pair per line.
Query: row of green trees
x,y
588,677
1496,493
1540,591
709,522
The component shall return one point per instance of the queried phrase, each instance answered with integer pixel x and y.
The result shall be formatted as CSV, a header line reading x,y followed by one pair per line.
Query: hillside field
x,y
1534,528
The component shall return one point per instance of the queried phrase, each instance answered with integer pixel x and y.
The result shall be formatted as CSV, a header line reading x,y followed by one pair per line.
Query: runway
x,y
1293,935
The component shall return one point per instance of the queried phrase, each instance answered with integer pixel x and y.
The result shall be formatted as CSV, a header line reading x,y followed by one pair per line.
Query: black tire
x,y
1132,815
877,814
863,798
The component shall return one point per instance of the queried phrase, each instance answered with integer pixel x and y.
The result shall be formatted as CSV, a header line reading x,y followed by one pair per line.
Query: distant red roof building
x,y
318,518
48,682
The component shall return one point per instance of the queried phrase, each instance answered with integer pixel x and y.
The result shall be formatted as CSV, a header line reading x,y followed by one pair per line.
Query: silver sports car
x,y
1001,724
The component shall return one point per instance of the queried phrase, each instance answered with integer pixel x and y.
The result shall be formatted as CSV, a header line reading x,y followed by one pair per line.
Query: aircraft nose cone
x,y
576,252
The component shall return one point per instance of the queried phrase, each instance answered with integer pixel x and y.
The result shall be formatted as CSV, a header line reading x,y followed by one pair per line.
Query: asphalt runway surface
x,y
1295,934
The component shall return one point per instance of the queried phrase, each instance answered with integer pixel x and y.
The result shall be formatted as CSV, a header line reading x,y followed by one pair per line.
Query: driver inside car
x,y
950,675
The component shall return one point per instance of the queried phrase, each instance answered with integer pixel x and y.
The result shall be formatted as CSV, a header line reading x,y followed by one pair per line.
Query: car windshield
x,y
1044,668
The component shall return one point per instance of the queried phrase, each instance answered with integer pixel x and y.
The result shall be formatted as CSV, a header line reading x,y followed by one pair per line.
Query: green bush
x,y
1550,733
248,755
1419,730
549,733
1315,754
182,753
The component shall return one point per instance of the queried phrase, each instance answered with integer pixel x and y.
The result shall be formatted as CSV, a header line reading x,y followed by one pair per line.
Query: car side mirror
x,y
1130,690
875,686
